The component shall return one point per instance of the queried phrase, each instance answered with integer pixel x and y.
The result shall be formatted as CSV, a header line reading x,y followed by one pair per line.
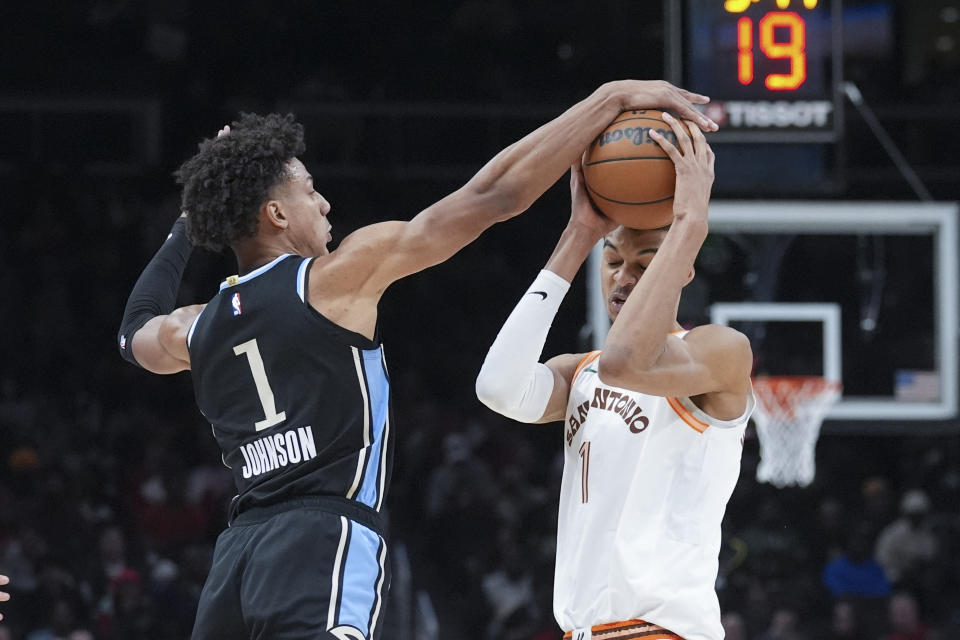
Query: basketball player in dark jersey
x,y
287,363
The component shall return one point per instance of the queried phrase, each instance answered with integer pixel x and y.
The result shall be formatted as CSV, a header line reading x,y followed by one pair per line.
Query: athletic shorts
x,y
297,570
626,630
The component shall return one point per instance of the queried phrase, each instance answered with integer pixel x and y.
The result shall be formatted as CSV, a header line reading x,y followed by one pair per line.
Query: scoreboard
x,y
771,67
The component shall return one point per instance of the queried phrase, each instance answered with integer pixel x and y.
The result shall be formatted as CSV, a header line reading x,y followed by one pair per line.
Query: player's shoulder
x,y
358,255
724,349
719,336
364,242
569,365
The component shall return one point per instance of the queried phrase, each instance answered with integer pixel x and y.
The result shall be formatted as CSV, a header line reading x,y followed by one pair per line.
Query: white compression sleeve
x,y
512,380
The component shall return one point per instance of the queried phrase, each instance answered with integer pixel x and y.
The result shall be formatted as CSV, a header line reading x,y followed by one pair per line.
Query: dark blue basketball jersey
x,y
299,405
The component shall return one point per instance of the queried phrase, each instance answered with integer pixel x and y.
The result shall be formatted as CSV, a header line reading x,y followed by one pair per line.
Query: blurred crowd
x,y
112,492
869,551
109,512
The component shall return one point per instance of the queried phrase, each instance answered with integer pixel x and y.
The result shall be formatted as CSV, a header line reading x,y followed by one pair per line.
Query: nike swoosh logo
x,y
589,370
539,293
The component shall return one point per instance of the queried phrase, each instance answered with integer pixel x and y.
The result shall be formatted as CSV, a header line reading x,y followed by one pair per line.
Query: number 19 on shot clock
x,y
771,67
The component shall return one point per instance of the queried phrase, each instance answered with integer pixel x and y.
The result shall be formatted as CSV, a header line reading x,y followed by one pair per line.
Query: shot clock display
x,y
771,67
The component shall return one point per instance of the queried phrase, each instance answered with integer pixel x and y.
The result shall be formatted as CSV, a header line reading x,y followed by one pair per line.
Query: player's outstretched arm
x,y
507,185
512,381
639,352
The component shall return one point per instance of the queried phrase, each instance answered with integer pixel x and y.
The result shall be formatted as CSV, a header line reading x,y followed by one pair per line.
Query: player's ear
x,y
690,275
272,212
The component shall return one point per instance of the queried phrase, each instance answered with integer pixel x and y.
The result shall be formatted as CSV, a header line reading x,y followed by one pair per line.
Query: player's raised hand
x,y
4,596
582,211
660,94
694,161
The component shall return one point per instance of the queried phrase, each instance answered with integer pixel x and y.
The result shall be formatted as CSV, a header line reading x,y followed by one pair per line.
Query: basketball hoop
x,y
788,415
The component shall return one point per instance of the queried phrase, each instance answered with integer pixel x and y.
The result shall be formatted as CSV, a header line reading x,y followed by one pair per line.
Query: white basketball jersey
x,y
646,481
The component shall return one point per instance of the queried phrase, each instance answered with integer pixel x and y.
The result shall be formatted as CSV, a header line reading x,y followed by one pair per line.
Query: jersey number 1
x,y
585,472
271,416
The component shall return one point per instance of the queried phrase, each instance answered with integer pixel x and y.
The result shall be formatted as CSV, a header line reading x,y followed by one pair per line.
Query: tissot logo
x,y
780,114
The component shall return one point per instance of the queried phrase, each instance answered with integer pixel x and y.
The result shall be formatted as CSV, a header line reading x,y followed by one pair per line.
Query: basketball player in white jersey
x,y
653,423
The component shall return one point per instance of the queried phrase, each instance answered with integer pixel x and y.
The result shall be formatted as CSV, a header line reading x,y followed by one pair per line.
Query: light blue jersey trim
x,y
361,579
193,326
378,389
302,279
253,274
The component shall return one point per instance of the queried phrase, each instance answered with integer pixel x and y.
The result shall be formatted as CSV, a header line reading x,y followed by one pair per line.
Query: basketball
x,y
628,175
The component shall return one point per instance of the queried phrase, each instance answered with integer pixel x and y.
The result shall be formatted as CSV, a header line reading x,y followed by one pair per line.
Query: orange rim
x,y
781,394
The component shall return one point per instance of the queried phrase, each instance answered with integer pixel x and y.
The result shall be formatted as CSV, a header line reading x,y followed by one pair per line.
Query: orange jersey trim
x,y
629,629
686,416
584,361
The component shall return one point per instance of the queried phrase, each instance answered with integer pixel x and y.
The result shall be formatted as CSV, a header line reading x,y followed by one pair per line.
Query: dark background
x,y
111,493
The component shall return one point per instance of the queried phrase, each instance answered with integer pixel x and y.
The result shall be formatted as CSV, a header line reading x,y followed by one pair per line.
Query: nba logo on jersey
x,y
123,342
235,303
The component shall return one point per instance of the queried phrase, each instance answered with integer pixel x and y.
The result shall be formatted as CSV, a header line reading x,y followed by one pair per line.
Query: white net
x,y
789,412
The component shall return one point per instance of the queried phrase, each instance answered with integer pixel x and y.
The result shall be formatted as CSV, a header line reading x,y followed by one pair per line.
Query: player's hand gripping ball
x,y
628,176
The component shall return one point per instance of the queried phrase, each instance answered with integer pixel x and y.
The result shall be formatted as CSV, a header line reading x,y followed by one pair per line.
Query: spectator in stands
x,y
828,536
509,591
734,626
126,611
878,501
904,619
61,621
783,626
855,573
907,544
844,622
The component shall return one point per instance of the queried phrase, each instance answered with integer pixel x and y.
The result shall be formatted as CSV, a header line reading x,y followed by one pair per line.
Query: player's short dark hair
x,y
228,179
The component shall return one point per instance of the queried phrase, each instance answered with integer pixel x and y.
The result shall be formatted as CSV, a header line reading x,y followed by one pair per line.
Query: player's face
x,y
306,211
626,255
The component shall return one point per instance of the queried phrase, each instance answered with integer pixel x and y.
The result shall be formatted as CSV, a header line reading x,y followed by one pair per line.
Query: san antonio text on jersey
x,y
299,405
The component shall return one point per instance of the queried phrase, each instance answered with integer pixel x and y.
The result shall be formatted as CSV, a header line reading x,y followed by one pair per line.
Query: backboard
x,y
861,292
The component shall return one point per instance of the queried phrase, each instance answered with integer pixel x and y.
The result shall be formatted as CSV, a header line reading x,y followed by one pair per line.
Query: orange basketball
x,y
628,176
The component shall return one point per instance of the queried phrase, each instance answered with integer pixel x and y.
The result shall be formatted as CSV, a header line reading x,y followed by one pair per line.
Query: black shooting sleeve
x,y
155,292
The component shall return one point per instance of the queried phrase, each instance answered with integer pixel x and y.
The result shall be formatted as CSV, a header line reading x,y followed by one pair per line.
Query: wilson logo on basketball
x,y
637,135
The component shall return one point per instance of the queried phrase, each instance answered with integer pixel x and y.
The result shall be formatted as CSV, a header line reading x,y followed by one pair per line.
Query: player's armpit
x,y
444,228
365,262
563,367
160,346
708,359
